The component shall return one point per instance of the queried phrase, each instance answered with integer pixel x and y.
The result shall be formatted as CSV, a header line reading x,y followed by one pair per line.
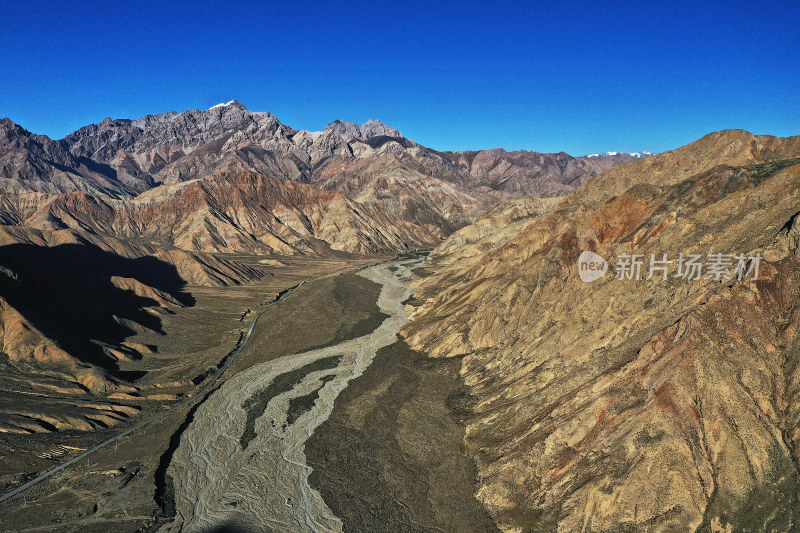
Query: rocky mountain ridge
x,y
397,194
173,147
626,405
236,211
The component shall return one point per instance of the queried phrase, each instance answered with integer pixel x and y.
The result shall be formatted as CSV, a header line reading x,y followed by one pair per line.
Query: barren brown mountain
x,y
624,405
492,230
122,247
228,179
31,162
236,210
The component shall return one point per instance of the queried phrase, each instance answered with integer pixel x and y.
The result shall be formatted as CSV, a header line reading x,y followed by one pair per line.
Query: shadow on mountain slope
x,y
67,293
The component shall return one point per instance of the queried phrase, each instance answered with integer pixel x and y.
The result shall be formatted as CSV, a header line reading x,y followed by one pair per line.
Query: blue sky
x,y
579,77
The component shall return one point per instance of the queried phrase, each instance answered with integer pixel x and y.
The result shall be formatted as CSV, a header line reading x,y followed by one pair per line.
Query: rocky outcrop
x,y
628,405
371,128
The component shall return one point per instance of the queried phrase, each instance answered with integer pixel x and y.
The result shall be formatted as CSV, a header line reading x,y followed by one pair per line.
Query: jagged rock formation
x,y
371,128
31,162
623,405
174,147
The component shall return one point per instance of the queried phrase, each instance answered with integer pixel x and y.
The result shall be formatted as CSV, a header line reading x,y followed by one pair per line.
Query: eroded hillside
x,y
623,405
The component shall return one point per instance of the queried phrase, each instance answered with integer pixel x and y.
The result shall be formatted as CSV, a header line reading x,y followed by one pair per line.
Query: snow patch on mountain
x,y
225,104
637,155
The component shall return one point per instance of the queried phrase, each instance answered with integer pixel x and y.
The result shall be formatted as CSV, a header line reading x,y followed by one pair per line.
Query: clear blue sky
x,y
579,77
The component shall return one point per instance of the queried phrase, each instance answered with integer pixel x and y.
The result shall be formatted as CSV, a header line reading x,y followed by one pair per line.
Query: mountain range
x,y
627,403
182,192
621,404
393,193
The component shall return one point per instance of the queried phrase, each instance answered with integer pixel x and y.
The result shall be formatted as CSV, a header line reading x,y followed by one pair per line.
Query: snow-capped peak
x,y
637,155
226,104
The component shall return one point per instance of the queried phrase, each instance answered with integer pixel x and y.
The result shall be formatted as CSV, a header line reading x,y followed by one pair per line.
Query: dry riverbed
x,y
241,461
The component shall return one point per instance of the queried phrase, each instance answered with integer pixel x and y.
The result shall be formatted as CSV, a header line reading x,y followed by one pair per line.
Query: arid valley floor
x,y
127,485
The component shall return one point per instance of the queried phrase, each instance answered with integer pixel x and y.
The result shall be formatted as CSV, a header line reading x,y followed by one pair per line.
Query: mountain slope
x,y
36,163
387,184
236,210
492,230
68,301
624,405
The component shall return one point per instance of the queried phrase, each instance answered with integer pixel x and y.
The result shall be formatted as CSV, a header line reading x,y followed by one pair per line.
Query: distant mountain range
x,y
356,188
637,155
